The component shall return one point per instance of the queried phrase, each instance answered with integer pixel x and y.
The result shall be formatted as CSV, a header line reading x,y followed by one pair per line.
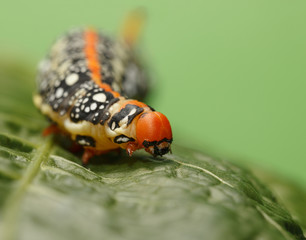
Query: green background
x,y
229,74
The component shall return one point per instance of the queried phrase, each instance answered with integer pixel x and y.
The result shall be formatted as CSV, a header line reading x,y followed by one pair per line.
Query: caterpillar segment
x,y
85,86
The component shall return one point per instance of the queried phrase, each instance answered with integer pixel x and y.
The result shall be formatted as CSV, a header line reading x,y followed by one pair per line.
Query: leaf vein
x,y
204,170
13,201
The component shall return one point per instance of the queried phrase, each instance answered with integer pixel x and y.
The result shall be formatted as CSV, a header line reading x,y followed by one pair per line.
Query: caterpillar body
x,y
86,85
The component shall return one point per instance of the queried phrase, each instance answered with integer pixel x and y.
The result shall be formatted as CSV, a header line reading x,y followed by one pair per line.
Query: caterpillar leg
x,y
87,155
74,148
51,129
131,147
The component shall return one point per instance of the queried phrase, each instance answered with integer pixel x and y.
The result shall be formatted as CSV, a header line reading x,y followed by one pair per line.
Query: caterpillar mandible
x,y
85,86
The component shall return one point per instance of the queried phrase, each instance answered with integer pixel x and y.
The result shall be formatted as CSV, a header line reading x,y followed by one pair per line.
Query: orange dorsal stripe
x,y
92,56
134,102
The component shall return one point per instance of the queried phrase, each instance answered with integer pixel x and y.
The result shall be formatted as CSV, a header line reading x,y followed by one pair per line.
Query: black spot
x,y
152,143
122,114
75,60
152,109
123,139
158,151
85,141
134,80
108,80
108,55
105,117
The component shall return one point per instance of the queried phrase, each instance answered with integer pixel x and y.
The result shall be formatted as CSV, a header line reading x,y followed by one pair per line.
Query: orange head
x,y
153,132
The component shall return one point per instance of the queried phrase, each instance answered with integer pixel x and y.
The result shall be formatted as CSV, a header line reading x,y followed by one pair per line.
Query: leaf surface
x,y
46,193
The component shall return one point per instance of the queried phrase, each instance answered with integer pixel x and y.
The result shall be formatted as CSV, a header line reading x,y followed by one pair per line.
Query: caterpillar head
x,y
153,133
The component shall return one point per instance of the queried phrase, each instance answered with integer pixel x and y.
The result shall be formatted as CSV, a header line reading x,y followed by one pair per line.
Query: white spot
x,y
72,67
132,111
83,142
72,115
85,100
101,107
57,83
72,79
124,121
113,125
93,106
87,109
65,94
77,116
82,107
52,97
77,110
43,85
96,114
116,87
59,92
122,139
99,97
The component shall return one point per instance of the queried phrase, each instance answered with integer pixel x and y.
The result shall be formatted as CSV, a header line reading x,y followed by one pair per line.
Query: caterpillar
x,y
86,87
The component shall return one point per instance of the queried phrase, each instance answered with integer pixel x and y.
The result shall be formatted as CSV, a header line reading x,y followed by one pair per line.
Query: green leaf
x,y
290,194
46,193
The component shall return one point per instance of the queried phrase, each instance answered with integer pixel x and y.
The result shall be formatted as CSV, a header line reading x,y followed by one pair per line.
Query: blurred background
x,y
230,75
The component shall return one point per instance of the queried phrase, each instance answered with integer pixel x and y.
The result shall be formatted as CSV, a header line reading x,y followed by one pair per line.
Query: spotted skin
x,y
85,85
92,106
126,115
